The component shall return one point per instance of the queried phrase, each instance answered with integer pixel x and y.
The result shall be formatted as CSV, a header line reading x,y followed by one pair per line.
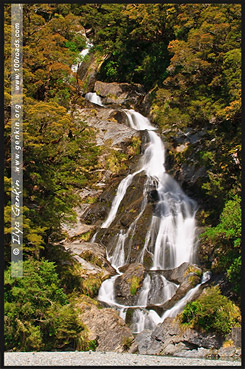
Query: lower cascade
x,y
170,239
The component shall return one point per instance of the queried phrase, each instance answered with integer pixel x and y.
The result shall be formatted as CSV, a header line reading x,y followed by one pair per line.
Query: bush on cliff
x,y
211,312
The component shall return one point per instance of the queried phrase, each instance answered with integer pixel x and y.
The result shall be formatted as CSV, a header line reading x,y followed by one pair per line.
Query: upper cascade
x,y
82,54
172,229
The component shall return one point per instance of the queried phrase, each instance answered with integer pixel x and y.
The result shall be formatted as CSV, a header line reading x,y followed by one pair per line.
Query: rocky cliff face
x,y
120,150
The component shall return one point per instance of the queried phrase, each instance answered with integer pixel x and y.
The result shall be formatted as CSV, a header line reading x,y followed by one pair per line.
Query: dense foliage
x,y
188,58
59,158
37,313
211,312
225,241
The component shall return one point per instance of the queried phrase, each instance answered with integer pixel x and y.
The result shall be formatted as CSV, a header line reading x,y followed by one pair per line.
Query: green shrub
x,y
225,240
211,312
38,315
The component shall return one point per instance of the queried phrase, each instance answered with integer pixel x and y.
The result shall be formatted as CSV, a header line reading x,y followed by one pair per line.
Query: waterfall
x,y
172,229
93,98
172,232
90,96
122,188
179,306
82,54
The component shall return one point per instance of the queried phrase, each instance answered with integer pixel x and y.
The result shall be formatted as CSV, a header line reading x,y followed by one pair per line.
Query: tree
x,y
37,313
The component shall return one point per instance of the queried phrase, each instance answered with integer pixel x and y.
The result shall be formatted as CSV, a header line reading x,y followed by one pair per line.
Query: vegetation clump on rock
x,y
211,312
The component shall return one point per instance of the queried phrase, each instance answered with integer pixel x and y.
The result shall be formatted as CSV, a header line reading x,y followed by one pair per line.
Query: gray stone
x,y
105,326
225,352
119,93
168,336
236,336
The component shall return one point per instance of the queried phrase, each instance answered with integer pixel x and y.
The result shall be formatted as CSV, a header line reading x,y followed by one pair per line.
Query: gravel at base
x,y
76,358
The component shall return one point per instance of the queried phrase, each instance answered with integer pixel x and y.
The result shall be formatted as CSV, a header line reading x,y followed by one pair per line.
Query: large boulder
x,y
180,273
105,326
89,69
168,338
92,257
128,284
119,93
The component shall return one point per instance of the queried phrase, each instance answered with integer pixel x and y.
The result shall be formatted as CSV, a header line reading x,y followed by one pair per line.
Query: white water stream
x,y
82,54
93,98
172,232
170,239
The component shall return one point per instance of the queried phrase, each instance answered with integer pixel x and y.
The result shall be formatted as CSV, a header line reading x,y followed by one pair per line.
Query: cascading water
x,y
90,96
93,98
170,239
82,54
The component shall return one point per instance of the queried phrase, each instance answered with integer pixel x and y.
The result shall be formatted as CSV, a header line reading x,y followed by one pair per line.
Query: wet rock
x,y
153,196
120,116
187,276
98,212
119,93
128,285
169,339
89,69
108,130
105,326
179,274
132,209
